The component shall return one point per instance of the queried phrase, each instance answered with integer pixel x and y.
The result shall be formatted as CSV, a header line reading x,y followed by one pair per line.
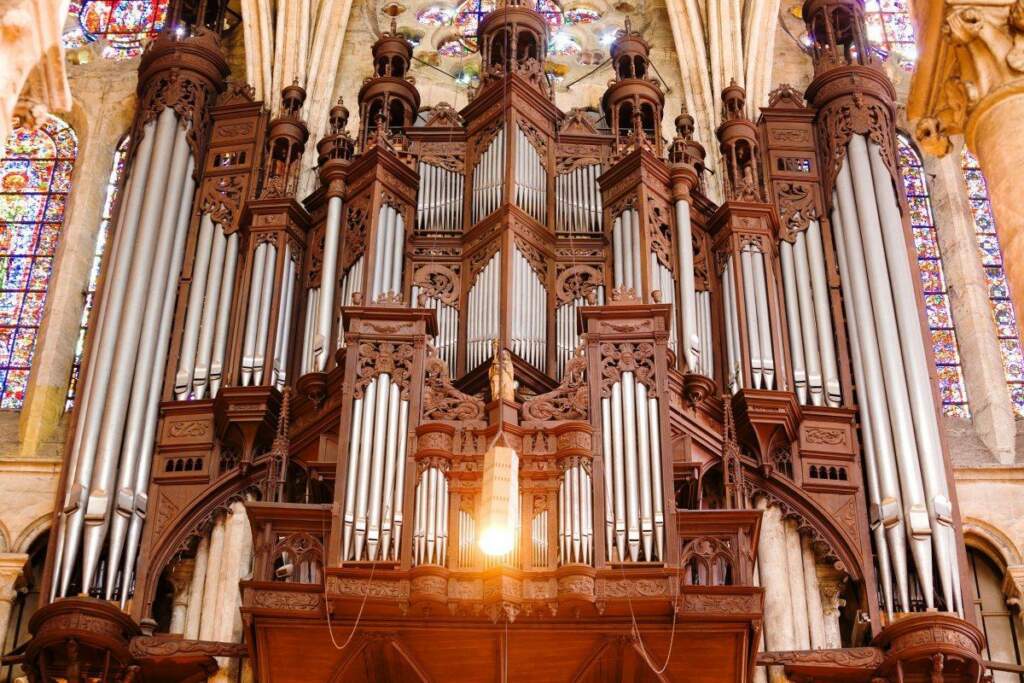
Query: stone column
x,y
815,616
237,556
212,581
195,593
991,409
773,568
831,583
797,591
12,573
970,81
181,580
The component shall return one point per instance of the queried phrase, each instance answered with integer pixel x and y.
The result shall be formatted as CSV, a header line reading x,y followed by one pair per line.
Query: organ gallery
x,y
506,391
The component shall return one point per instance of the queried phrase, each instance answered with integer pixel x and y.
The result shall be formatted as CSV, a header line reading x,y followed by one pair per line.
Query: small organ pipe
x,y
354,450
398,254
220,338
252,314
617,254
328,283
796,344
751,318
215,276
644,458
608,456
263,328
823,316
620,471
734,369
362,493
631,464
657,477
763,324
194,311
284,328
382,417
808,323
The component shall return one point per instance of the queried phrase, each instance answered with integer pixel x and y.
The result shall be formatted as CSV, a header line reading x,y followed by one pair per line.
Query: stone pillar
x,y
991,410
831,583
773,569
797,591
195,594
237,556
970,81
212,581
815,617
181,580
12,572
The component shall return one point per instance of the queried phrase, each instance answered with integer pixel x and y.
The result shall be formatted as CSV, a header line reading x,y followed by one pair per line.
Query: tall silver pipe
x,y
823,315
220,338
194,310
140,498
908,455
657,477
808,323
215,273
373,415
687,287
328,283
793,321
922,406
608,456
171,152
354,452
398,254
620,471
875,401
386,511
399,514
763,318
384,415
263,326
252,313
646,479
618,270
284,326
751,318
631,464
170,242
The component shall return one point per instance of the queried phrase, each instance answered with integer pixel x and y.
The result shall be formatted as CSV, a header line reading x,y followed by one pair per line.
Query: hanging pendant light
x,y
499,509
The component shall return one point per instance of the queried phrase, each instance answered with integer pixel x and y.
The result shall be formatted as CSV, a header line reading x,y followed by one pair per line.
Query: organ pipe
x,y
389,253
439,201
690,336
446,341
529,320
626,250
576,514
578,205
482,313
146,256
636,520
376,473
430,536
568,338
488,176
321,301
257,321
706,359
530,178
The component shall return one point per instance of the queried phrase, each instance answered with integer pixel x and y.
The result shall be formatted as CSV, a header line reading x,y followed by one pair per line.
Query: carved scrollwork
x,y
355,232
797,207
376,358
442,401
533,256
536,139
578,282
438,281
162,647
617,358
569,401
222,200
849,116
659,234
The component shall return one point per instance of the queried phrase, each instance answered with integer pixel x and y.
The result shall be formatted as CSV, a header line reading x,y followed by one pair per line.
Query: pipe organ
x,y
678,387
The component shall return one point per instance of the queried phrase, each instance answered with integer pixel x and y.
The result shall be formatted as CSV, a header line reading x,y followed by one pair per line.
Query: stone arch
x,y
992,541
31,532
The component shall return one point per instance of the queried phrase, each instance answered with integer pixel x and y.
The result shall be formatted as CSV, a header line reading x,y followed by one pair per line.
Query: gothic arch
x,y
992,541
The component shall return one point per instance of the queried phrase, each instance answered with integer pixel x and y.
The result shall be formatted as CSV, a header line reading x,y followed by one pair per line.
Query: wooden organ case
x,y
671,374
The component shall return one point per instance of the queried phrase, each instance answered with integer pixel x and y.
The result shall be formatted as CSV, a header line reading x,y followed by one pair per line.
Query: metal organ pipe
x,y
691,341
706,360
482,313
529,316
796,345
194,312
565,323
488,176
626,251
430,537
578,198
633,472
350,284
439,203
875,401
147,234
751,318
257,325
531,178
284,317
446,340
734,369
376,475
323,303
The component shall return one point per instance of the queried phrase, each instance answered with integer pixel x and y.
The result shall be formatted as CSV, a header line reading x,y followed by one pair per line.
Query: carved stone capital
x,y
969,66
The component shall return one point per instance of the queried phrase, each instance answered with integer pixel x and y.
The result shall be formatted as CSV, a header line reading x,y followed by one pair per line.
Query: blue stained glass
x,y
35,175
952,389
124,24
991,254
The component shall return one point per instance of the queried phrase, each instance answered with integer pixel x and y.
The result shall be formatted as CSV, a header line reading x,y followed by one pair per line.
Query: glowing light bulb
x,y
496,541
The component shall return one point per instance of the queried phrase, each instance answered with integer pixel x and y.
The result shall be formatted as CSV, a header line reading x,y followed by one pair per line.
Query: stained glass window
x,y
891,30
110,198
467,17
998,288
35,177
933,281
125,24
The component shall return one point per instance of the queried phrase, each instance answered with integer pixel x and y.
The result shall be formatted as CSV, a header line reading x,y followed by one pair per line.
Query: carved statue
x,y
501,374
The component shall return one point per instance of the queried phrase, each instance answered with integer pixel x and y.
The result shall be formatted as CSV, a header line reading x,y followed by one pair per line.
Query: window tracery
x,y
938,311
124,24
109,201
35,178
891,30
991,254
